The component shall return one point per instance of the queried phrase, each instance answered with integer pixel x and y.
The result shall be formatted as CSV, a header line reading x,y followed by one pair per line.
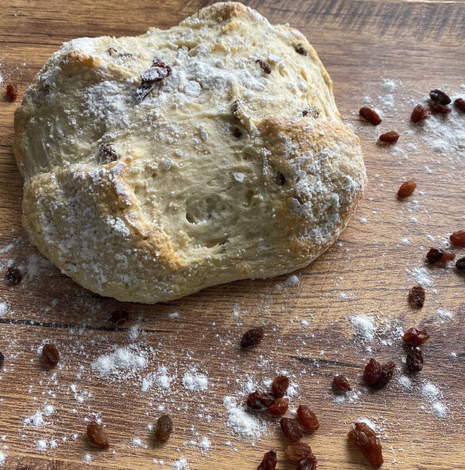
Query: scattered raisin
x,y
297,452
269,461
252,338
119,317
341,384
265,66
97,435
417,296
12,91
419,113
163,428
237,133
279,407
2,359
447,256
50,355
414,336
107,154
460,104
389,137
435,255
308,418
308,463
149,78
13,276
460,264
291,429
406,188
311,111
438,96
458,238
414,360
259,401
366,440
377,375
301,50
279,386
437,108
369,115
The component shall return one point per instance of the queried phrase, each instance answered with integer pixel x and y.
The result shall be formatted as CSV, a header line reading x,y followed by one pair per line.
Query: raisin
x,y
119,317
259,401
447,256
297,452
369,115
419,113
414,360
281,179
341,384
434,255
291,429
50,355
366,440
389,137
377,375
107,154
439,96
279,407
269,461
252,338
308,463
406,188
311,111
417,296
414,337
437,108
460,104
264,65
301,50
279,386
149,78
460,264
13,276
237,133
2,359
97,435
458,238
12,91
163,428
308,418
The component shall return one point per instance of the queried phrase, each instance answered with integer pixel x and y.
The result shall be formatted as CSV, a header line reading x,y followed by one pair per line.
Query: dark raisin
x,y
439,96
297,452
460,264
269,461
235,107
369,115
460,104
259,401
119,317
416,296
311,111
107,154
237,133
13,276
2,359
12,91
50,355
301,50
279,407
419,113
163,428
279,386
97,435
291,429
341,384
155,74
308,463
281,179
414,360
264,65
458,238
377,375
414,336
366,440
389,137
434,255
406,188
252,338
308,418
437,108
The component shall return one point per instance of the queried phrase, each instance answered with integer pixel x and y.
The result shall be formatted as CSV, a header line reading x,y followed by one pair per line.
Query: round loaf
x,y
158,165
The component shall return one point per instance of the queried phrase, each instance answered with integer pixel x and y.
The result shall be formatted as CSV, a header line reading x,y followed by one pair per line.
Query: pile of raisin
x,y
363,437
436,255
276,404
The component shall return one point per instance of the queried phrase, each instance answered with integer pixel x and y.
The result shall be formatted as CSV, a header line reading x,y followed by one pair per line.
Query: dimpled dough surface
x,y
222,172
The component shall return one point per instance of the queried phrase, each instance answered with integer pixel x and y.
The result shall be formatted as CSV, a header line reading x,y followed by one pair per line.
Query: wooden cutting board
x,y
387,54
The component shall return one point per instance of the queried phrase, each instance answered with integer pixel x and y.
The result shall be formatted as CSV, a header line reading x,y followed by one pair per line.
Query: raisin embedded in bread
x,y
158,165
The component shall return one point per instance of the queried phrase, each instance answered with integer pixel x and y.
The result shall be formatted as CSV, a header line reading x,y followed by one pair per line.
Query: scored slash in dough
x,y
216,175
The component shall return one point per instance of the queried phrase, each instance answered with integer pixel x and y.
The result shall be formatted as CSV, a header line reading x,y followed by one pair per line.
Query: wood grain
x,y
417,44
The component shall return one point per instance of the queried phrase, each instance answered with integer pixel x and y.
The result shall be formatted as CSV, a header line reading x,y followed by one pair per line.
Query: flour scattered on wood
x,y
243,424
421,276
195,382
122,359
364,327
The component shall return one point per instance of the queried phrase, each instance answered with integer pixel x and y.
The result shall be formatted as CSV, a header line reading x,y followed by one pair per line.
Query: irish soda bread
x,y
158,165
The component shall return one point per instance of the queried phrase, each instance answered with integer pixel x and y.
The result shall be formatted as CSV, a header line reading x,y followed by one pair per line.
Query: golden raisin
x,y
414,337
97,435
163,428
406,188
308,418
279,386
297,452
366,440
458,238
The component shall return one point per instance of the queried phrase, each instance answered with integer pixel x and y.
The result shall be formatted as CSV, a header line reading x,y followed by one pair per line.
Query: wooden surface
x,y
419,45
